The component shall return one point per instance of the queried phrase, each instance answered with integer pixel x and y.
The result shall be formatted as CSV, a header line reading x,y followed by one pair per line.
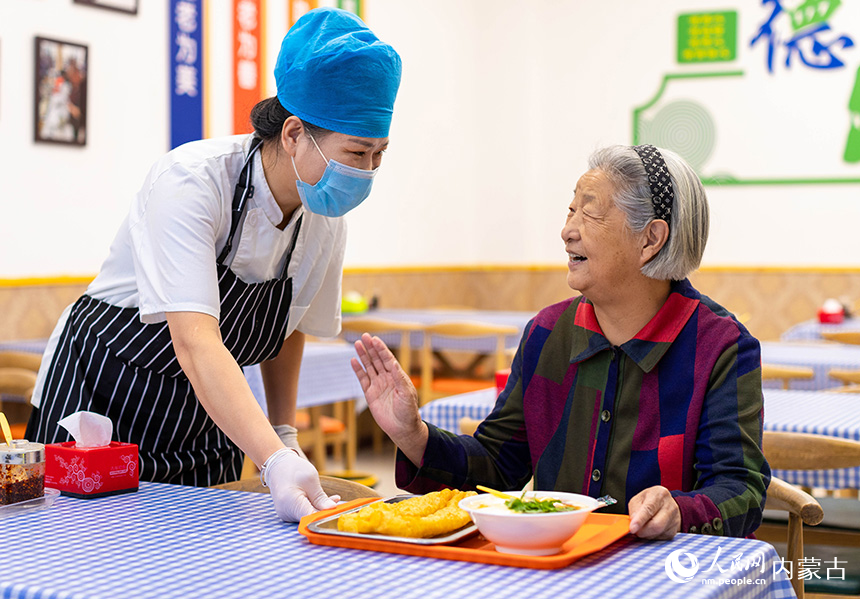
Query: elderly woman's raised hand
x,y
391,396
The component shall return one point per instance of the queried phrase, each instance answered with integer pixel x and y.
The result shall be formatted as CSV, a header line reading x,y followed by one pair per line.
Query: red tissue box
x,y
91,471
502,379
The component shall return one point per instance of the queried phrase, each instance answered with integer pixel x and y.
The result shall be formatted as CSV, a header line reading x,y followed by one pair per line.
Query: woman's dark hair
x,y
268,118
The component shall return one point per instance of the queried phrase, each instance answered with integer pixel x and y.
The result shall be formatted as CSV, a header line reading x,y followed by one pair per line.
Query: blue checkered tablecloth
x,y
817,412
477,344
447,412
810,330
169,542
821,357
325,377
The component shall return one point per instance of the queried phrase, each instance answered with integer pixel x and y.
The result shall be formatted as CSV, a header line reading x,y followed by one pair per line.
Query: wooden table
x,y
820,357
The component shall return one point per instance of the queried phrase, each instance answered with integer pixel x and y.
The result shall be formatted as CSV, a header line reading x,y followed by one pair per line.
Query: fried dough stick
x,y
426,516
369,518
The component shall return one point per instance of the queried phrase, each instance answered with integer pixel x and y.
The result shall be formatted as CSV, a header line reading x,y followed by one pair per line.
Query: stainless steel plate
x,y
328,526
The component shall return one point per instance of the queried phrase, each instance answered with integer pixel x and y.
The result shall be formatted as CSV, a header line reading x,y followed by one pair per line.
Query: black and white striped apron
x,y
110,363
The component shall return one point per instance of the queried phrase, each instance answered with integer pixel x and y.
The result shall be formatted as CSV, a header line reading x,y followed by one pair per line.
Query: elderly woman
x,y
640,388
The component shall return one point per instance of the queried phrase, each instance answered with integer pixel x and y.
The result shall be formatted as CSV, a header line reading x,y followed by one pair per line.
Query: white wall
x,y
500,105
60,206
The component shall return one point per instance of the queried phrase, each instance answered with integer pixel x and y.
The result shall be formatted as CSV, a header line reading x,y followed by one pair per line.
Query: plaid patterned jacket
x,y
679,405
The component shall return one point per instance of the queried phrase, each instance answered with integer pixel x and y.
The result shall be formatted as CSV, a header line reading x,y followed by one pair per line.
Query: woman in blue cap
x,y
232,251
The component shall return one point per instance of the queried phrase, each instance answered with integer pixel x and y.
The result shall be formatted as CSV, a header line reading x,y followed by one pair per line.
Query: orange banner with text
x,y
299,8
247,60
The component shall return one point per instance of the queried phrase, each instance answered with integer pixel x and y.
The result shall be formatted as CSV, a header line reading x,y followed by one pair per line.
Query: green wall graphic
x,y
685,127
707,37
767,107
852,145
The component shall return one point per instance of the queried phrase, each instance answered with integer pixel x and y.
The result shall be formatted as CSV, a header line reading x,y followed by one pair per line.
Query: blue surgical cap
x,y
333,72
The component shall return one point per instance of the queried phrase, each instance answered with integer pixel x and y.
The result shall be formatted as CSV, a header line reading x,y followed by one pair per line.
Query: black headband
x,y
662,192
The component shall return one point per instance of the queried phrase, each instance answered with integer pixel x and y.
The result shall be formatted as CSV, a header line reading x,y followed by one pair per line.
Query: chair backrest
x,y
850,337
18,371
347,489
461,329
848,377
20,359
17,381
381,326
786,373
804,451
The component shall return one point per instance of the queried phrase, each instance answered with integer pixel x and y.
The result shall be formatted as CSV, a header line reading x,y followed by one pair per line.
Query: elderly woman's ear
x,y
655,236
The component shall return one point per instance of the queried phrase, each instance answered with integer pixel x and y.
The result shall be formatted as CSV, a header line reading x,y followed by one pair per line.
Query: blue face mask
x,y
340,189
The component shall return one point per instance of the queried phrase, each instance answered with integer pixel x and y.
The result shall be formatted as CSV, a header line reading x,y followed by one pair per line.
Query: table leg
x,y
319,454
351,434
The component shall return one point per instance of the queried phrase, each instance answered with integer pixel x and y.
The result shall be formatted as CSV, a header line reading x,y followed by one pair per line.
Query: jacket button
x,y
693,530
605,415
718,524
595,476
706,528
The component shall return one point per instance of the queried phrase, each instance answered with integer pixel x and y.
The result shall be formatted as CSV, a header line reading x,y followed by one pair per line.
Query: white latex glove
x,y
295,486
290,437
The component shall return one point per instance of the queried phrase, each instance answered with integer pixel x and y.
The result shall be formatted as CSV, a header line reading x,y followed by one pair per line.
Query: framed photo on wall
x,y
61,92
126,6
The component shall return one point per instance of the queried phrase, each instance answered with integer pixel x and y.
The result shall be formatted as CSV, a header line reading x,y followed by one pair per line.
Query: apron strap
x,y
292,245
244,190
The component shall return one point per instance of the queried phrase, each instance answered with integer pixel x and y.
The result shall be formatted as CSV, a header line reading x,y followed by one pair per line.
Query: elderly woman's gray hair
x,y
688,226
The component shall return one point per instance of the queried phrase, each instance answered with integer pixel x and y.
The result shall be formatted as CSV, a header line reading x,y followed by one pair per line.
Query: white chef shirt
x,y
163,259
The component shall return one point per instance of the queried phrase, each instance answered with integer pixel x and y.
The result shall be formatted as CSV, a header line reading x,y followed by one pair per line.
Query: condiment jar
x,y
22,471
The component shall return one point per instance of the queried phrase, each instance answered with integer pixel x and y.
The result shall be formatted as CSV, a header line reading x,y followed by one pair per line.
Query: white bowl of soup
x,y
538,524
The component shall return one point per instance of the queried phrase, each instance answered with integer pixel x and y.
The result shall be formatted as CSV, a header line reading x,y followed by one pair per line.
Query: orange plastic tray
x,y
598,531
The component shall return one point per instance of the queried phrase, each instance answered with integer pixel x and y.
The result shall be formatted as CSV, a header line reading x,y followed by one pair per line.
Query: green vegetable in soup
x,y
536,505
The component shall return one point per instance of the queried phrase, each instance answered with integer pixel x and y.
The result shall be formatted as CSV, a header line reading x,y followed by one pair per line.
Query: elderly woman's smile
x,y
602,251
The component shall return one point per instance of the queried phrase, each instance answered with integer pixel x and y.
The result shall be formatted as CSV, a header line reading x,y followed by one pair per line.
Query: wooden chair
x,y
848,377
20,359
840,525
18,371
381,326
786,373
430,388
468,426
347,489
848,337
802,509
17,381
318,432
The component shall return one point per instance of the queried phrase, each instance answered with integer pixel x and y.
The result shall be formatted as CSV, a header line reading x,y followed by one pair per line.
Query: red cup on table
x,y
502,379
831,312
